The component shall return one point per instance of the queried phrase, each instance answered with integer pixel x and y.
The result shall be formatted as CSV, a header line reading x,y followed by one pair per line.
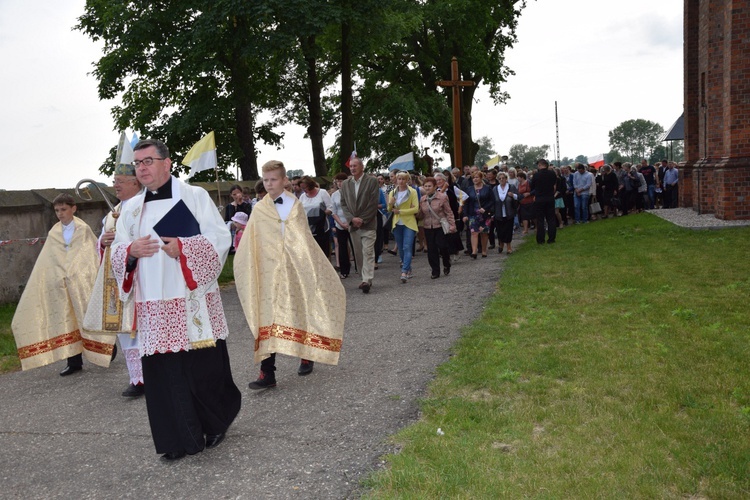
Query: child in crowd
x,y
239,221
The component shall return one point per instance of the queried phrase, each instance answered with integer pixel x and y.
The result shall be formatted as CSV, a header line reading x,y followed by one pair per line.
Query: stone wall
x,y
27,216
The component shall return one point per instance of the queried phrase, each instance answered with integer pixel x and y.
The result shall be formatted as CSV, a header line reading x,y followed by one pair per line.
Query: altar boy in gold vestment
x,y
291,295
48,321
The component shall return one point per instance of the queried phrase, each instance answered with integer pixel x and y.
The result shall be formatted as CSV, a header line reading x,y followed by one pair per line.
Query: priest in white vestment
x,y
190,395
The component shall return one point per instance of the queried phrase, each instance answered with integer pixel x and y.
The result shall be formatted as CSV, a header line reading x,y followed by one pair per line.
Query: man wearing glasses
x,y
172,276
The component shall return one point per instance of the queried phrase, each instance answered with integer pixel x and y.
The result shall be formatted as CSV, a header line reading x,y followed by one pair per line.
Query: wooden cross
x,y
456,84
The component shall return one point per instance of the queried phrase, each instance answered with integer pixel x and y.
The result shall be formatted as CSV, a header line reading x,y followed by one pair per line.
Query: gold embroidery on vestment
x,y
299,336
49,345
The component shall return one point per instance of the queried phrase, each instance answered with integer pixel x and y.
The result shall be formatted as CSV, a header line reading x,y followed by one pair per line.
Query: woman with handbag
x,y
478,213
506,205
446,185
317,204
404,204
438,223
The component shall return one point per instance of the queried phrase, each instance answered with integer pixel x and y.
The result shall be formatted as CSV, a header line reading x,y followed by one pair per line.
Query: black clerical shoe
x,y
173,455
446,271
264,381
69,370
213,441
305,367
134,391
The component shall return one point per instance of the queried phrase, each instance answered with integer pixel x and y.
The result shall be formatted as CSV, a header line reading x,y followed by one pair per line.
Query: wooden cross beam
x,y
455,83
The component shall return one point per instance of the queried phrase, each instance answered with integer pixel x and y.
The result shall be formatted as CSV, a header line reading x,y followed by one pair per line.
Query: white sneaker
x,y
380,259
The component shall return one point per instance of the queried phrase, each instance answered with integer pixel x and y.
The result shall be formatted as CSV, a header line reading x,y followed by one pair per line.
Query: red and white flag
x,y
596,161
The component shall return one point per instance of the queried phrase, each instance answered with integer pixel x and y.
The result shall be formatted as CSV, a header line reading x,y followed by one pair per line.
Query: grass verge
x,y
227,273
8,355
612,364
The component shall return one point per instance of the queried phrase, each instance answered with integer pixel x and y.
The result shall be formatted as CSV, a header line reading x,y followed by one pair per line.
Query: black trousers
x,y
379,238
624,196
570,208
545,211
345,265
670,196
189,394
504,229
324,242
437,248
76,361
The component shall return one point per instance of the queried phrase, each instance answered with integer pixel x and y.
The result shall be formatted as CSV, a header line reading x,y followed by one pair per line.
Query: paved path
x,y
310,437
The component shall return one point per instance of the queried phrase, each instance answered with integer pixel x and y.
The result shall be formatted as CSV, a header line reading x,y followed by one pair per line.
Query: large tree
x,y
182,68
522,155
636,139
400,100
485,152
310,30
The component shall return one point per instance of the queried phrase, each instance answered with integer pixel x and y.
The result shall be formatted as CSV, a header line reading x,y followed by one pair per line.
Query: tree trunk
x,y
248,162
469,148
314,107
347,113
243,110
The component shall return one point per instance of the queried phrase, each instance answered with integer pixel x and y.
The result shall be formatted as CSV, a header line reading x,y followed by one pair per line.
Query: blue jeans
x,y
405,241
651,196
581,204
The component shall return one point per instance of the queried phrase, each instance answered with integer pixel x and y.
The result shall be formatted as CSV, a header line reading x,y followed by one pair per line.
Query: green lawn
x,y
613,364
8,356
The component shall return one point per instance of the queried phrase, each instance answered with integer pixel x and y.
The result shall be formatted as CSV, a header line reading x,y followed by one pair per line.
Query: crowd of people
x,y
489,205
151,276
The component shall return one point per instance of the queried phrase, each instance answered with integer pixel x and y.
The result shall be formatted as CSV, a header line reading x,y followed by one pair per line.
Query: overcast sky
x,y
603,62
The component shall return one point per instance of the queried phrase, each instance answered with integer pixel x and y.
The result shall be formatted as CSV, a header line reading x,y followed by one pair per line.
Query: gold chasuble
x,y
48,319
106,313
293,299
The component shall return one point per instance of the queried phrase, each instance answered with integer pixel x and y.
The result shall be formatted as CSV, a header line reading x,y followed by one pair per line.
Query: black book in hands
x,y
179,222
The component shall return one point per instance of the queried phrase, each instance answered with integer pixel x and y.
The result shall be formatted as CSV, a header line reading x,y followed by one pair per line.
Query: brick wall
x,y
715,174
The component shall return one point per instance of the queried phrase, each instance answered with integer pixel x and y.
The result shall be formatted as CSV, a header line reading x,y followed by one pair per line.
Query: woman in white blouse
x,y
506,205
318,206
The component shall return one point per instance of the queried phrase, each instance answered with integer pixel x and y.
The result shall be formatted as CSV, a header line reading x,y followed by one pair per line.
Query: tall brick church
x,y
715,177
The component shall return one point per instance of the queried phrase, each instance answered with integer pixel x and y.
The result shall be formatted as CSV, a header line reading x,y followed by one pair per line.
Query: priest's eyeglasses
x,y
147,161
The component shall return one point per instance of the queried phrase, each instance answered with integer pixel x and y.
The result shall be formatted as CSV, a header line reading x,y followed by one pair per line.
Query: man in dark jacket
x,y
543,185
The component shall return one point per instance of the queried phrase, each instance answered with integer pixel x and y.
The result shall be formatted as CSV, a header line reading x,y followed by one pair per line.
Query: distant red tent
x,y
596,161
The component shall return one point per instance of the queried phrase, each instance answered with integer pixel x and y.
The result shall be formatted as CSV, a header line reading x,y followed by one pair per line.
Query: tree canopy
x,y
183,68
522,155
636,139
485,151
